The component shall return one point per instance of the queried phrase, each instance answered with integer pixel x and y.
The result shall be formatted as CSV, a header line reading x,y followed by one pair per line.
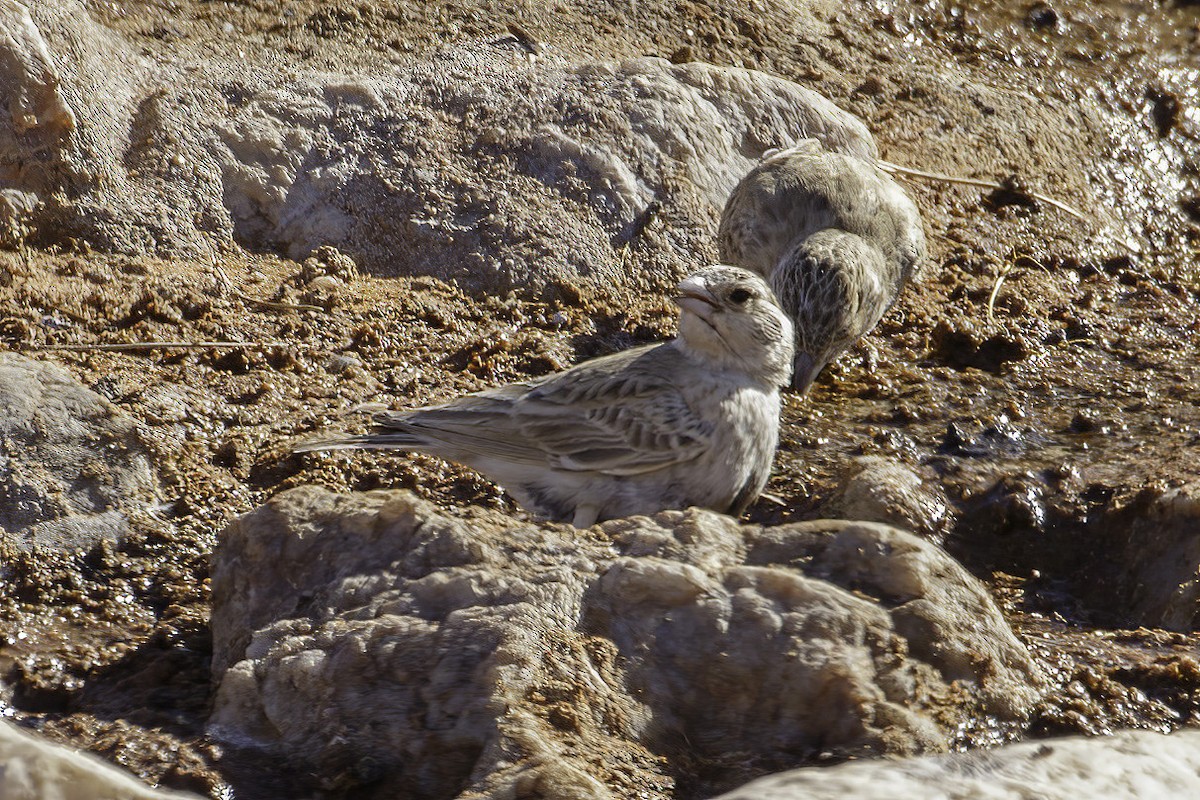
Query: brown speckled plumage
x,y
835,237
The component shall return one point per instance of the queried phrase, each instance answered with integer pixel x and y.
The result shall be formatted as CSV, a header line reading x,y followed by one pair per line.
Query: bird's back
x,y
800,191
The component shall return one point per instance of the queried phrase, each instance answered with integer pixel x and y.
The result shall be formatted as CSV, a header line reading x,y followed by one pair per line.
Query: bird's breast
x,y
743,445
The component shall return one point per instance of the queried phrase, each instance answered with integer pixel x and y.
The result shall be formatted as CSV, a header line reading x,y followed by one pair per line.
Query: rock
x,y
1129,765
484,655
32,768
882,490
72,466
999,437
411,171
1041,15
34,117
1015,504
1159,557
16,211
28,79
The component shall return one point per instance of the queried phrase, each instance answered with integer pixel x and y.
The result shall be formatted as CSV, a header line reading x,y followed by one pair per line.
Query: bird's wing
x,y
621,415
475,425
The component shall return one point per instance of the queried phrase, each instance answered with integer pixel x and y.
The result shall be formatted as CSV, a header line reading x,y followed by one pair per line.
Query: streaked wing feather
x,y
620,415
624,416
480,423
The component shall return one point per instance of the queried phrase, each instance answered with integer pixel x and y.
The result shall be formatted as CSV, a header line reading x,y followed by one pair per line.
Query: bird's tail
x,y
370,441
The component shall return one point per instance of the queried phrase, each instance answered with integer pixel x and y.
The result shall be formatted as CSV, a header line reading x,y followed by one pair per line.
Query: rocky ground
x,y
1040,376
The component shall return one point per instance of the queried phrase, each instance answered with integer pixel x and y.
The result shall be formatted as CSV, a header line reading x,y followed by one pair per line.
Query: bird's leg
x,y
586,515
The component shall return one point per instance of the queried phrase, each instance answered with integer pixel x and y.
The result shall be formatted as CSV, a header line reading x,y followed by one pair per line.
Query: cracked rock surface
x,y
406,651
72,465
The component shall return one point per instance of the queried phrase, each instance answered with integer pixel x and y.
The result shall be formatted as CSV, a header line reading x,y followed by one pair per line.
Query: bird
x,y
835,237
693,421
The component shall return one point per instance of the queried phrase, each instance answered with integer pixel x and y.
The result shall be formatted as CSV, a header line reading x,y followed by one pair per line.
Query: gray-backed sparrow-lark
x,y
689,422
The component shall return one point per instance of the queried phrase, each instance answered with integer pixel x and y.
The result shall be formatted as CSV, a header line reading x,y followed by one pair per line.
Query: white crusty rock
x,y
883,490
32,768
479,655
410,170
1130,765
28,79
73,467
34,118
583,157
29,82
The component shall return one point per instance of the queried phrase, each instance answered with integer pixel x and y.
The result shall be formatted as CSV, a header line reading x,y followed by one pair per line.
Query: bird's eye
x,y
740,296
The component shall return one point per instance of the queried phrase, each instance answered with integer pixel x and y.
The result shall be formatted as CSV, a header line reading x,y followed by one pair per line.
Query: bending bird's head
x,y
830,286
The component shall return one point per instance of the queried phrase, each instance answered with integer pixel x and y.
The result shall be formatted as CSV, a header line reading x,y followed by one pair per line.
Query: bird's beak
x,y
804,372
694,296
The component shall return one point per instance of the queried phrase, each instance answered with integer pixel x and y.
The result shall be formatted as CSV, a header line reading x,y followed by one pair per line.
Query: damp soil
x,y
1041,372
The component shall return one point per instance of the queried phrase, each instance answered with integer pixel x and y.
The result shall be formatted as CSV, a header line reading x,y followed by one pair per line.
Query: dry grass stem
x,y
278,305
83,348
896,169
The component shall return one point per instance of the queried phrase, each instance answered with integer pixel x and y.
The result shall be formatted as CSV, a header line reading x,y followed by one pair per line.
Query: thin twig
x,y
1002,271
159,346
773,499
1017,259
888,166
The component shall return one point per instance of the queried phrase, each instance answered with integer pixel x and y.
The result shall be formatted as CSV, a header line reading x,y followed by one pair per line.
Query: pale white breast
x,y
745,444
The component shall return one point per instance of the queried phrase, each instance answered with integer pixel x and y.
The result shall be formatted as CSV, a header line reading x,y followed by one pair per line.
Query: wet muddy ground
x,y
1041,374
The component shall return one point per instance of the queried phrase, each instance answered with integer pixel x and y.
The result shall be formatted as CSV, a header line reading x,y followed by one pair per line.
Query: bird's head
x,y
830,286
730,318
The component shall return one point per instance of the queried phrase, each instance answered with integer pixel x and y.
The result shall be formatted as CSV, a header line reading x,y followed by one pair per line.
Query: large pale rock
x,y
32,768
1130,765
579,156
46,73
28,79
406,170
72,466
1157,537
368,635
34,116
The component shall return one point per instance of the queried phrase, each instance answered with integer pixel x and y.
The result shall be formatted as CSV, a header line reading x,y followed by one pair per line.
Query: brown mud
x,y
1049,408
